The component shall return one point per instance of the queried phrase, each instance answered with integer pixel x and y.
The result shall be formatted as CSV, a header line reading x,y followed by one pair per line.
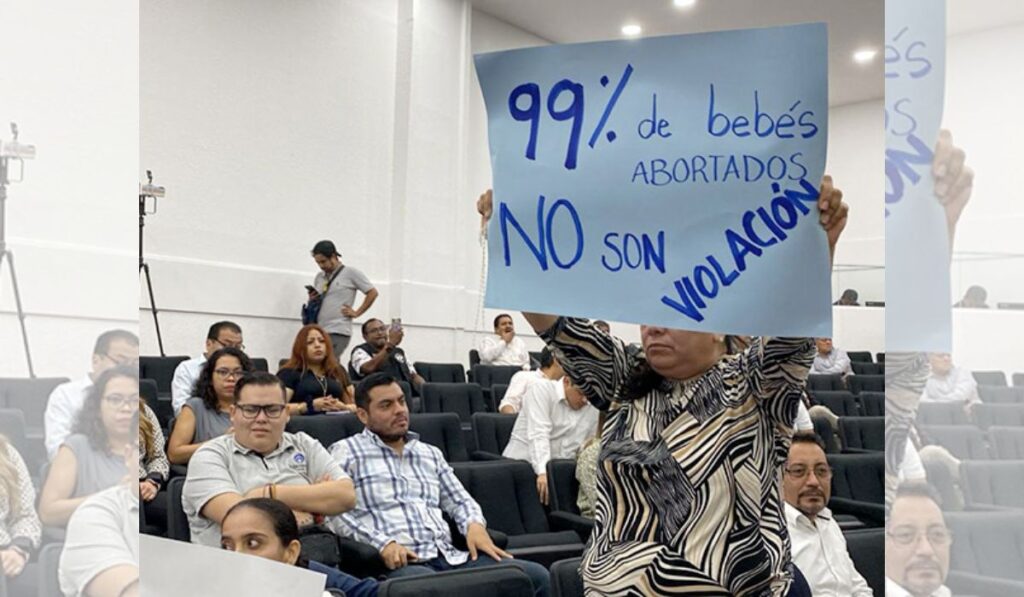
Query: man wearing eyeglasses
x,y
260,460
917,544
112,348
223,334
818,546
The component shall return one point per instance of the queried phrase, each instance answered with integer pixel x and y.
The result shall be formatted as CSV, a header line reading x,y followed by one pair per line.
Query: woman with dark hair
x,y
315,382
20,530
92,458
267,528
206,415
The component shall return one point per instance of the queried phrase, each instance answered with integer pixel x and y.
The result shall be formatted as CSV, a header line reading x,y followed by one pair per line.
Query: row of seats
x,y
968,442
854,383
844,403
997,378
982,415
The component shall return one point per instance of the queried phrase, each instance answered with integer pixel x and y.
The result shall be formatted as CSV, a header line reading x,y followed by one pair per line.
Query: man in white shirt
x,y
112,348
917,544
555,420
818,546
948,383
549,370
222,334
504,348
830,360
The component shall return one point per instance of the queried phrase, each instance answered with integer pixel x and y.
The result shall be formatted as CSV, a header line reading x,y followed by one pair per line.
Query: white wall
x,y
72,222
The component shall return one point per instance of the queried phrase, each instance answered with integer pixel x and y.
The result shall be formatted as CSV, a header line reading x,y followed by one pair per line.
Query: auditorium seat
x,y
441,372
49,570
492,432
259,364
841,403
563,493
507,493
29,395
862,433
866,383
993,483
327,429
868,368
1001,395
858,486
489,375
826,383
161,406
860,356
867,550
1007,442
474,360
989,378
161,370
985,556
498,391
498,580
824,430
1006,415
535,359
443,431
1018,379
12,426
962,441
941,413
463,399
879,357
177,521
566,580
872,404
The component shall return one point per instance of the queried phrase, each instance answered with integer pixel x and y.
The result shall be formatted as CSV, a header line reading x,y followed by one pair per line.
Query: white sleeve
x,y
803,418
537,410
359,358
521,352
181,387
57,421
516,388
491,349
911,467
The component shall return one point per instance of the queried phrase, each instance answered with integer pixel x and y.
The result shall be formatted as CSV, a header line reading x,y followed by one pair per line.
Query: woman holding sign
x,y
689,494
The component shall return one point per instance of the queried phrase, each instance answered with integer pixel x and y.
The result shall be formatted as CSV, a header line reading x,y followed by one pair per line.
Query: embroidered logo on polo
x,y
299,458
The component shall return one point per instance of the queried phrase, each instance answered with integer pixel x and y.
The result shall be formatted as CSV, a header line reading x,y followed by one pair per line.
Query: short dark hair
x,y
368,322
204,384
260,378
500,317
215,329
808,437
325,248
108,337
921,489
371,381
547,358
276,512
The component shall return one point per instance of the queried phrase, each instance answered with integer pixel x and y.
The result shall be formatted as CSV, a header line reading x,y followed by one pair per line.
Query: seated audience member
x,y
101,549
112,348
92,458
267,528
603,326
818,545
549,370
381,354
849,298
208,414
974,298
555,420
830,360
20,530
504,348
315,382
948,383
261,460
403,487
223,334
917,544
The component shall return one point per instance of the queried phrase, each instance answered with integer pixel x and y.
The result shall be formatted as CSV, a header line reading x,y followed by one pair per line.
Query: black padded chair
x,y
498,580
12,426
29,395
824,430
161,406
463,399
565,578
989,378
488,375
860,356
161,370
563,491
985,556
867,368
492,432
1001,395
259,364
862,433
507,493
872,404
1018,379
49,570
474,360
441,372
879,357
858,486
824,383
498,391
867,550
177,522
963,441
1007,442
941,413
866,383
841,403
328,429
1006,415
994,484
442,430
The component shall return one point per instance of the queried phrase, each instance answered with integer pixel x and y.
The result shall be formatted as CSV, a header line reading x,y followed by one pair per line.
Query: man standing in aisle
x,y
337,284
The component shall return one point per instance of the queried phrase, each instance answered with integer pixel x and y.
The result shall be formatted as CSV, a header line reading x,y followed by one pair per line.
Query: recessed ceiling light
x,y
632,30
864,56
684,3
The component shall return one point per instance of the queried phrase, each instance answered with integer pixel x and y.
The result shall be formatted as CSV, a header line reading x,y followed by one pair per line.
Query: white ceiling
x,y
853,24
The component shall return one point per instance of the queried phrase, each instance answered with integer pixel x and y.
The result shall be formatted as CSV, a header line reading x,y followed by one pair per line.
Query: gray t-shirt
x,y
209,423
102,533
97,469
222,465
342,292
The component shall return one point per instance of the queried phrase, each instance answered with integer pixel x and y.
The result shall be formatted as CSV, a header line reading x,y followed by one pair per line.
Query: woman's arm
x,y
55,502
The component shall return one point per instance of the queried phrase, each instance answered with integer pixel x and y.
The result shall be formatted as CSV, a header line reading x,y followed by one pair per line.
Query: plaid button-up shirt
x,y
401,498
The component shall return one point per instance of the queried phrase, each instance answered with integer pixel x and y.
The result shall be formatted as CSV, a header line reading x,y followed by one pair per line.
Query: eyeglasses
x,y
118,401
937,536
119,359
379,330
799,471
251,411
229,373
224,344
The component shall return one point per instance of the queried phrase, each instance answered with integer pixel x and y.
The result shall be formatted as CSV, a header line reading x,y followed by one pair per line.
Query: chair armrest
x,y
567,521
484,455
360,559
872,514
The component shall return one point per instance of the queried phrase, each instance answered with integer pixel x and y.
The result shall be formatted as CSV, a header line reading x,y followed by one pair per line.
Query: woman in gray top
x,y
93,457
205,415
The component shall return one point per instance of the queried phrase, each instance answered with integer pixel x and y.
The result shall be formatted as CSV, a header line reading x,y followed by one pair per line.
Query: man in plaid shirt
x,y
402,488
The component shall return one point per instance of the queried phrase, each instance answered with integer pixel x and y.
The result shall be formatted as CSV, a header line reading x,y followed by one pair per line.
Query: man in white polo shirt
x,y
261,460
